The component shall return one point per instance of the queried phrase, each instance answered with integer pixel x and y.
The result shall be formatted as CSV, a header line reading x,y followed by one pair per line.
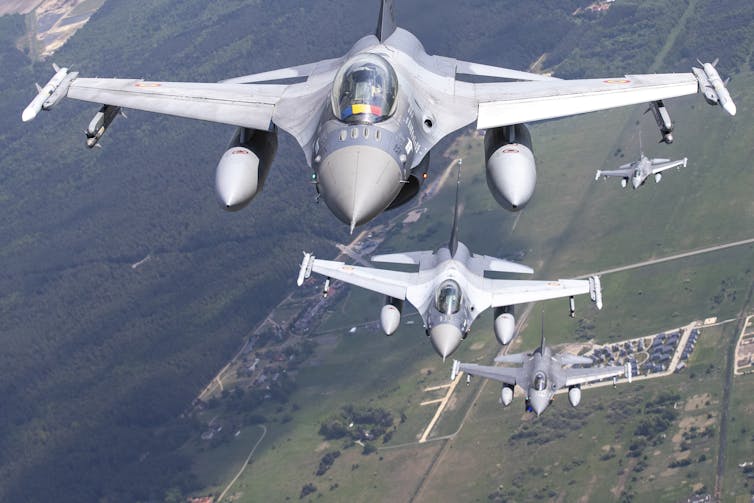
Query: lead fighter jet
x,y
450,289
367,121
542,373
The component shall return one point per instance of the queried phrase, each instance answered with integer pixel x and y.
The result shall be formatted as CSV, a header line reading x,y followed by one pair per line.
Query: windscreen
x,y
540,381
448,299
365,89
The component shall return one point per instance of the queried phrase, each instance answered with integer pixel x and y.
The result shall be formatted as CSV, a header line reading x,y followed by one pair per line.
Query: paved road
x,y
677,256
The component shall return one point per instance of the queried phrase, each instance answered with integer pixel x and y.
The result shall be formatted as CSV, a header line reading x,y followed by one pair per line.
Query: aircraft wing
x,y
244,105
507,375
623,173
244,101
504,292
392,283
662,166
506,103
586,375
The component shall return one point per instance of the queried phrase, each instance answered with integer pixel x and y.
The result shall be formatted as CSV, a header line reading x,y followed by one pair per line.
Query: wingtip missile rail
x,y
713,87
51,94
454,370
595,291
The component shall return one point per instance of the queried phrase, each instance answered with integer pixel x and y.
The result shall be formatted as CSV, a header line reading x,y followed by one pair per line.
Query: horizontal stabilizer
x,y
500,265
293,72
402,258
515,358
468,68
569,359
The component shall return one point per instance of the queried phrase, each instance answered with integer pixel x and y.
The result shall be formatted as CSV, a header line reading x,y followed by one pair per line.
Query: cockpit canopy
x,y
540,381
448,298
364,90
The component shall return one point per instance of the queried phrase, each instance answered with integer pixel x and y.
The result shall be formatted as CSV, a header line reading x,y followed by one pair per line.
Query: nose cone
x,y
445,338
636,182
358,182
538,403
729,106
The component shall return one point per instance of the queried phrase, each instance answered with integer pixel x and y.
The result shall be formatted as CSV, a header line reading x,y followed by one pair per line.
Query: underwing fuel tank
x,y
510,166
505,324
390,316
243,168
574,396
506,395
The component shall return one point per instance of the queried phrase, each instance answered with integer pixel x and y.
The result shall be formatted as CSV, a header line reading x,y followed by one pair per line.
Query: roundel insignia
x,y
617,81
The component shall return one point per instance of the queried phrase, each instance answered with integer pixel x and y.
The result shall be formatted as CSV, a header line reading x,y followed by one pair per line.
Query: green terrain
x,y
101,361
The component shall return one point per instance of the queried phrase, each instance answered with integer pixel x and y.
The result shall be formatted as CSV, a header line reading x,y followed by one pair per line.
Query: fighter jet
x,y
541,375
367,120
639,171
449,289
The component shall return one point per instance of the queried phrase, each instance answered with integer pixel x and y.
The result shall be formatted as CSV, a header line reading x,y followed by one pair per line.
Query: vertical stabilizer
x,y
542,342
641,146
386,22
453,244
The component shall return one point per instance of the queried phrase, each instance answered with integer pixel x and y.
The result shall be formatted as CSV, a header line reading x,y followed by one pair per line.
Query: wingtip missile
x,y
713,87
454,370
49,95
306,268
31,111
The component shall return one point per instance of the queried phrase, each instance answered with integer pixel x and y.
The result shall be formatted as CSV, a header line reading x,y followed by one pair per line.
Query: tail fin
x,y
453,245
386,22
641,147
542,342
